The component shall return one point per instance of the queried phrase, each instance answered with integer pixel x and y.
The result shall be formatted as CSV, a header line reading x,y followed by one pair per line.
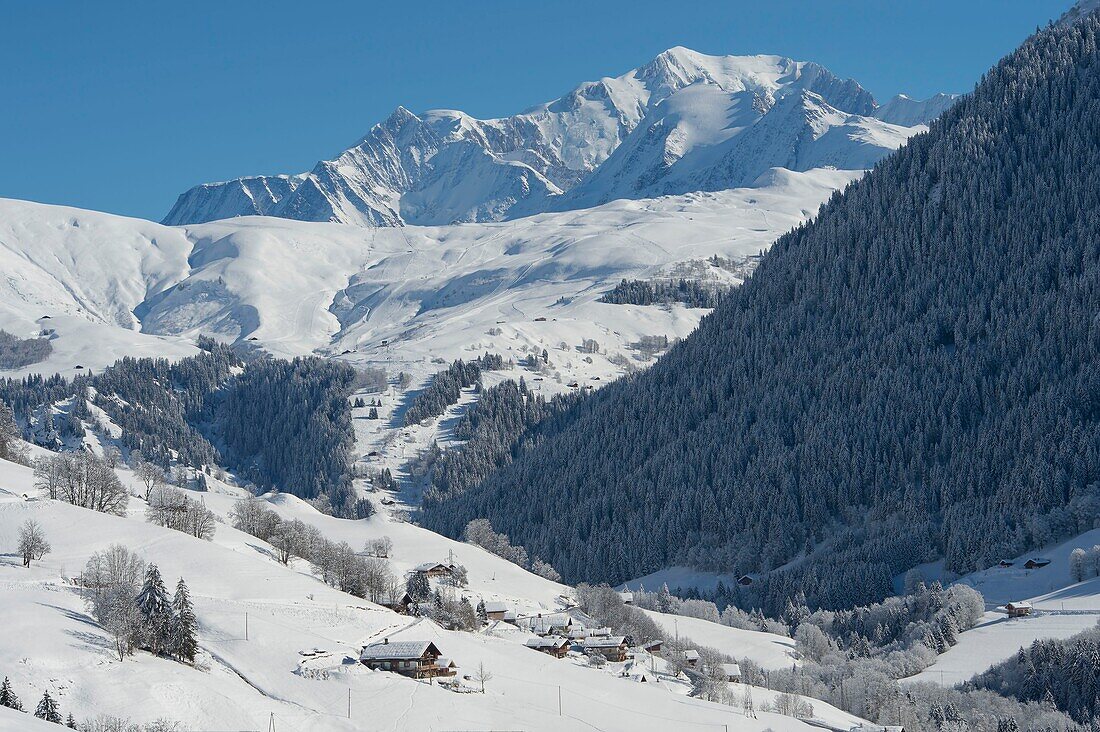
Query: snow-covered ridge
x,y
684,121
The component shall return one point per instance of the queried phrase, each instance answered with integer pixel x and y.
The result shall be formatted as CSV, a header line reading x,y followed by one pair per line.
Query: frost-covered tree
x,y
155,608
184,644
9,436
32,542
418,587
8,698
1078,562
47,709
544,569
84,480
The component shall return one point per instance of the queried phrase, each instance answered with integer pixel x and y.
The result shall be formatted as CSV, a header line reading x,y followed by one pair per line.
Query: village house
x,y
732,672
556,624
613,648
1018,609
691,658
627,598
415,659
653,647
1005,564
399,604
745,580
1036,563
556,647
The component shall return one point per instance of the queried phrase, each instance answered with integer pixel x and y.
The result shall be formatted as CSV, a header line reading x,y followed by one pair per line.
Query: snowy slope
x,y
428,292
681,110
768,650
245,676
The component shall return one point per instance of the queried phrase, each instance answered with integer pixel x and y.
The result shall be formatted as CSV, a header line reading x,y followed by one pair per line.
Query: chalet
x,y
1036,563
1005,564
434,569
732,672
1018,609
544,625
745,580
653,647
556,647
691,658
627,598
399,604
416,659
496,610
613,648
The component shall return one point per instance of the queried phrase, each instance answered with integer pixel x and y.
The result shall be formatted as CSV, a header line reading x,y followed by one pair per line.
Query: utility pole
x,y
246,625
349,703
559,700
271,723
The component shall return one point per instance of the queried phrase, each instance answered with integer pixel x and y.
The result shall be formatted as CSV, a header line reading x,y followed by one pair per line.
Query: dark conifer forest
x,y
912,375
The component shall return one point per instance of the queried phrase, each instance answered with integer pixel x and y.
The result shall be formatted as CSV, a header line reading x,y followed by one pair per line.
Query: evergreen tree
x,y
70,722
8,698
418,587
184,644
156,613
47,709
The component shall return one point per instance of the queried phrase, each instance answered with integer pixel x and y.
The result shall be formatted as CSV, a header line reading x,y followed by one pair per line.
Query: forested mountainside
x,y
283,425
912,375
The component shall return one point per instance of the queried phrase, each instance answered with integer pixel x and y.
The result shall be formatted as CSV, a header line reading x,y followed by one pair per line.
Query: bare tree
x,y
32,542
113,577
84,480
150,474
481,676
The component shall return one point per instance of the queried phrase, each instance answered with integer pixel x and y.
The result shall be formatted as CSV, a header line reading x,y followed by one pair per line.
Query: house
x,y
556,647
1005,564
613,648
399,604
416,659
1036,563
691,658
496,610
1018,609
433,569
653,647
732,672
627,598
745,580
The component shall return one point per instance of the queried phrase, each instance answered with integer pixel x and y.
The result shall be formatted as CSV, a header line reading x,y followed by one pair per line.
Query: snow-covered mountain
x,y
684,121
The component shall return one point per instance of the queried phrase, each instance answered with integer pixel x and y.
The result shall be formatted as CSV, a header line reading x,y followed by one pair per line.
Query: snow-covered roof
x,y
731,669
605,642
1022,605
496,607
427,566
397,649
546,643
691,654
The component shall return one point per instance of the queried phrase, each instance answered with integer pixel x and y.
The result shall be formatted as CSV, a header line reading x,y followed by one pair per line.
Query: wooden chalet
x,y
1036,563
1018,609
415,659
627,598
745,580
653,647
732,672
556,647
613,648
1005,564
691,658
556,624
400,604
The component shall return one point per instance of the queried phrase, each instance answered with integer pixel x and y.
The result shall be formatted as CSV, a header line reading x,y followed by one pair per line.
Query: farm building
x,y
416,659
556,624
496,610
556,647
1036,563
732,672
434,569
613,648
1005,564
1018,609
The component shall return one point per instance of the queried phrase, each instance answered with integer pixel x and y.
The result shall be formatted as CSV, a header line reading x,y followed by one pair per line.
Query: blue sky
x,y
120,106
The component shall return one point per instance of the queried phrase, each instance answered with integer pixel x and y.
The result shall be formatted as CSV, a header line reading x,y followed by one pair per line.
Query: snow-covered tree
x,y
418,587
1078,563
82,479
8,698
32,542
70,721
47,709
544,569
184,643
156,612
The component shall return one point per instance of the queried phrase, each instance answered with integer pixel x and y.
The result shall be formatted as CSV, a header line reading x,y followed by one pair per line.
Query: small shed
x,y
496,610
399,604
1018,609
1005,564
732,672
745,580
627,597
556,647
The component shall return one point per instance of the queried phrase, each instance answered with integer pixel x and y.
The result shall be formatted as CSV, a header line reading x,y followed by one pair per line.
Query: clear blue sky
x,y
119,106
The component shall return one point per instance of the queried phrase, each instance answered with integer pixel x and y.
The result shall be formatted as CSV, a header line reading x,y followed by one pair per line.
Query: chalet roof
x,y
1022,605
546,623
546,643
691,654
400,650
731,669
496,607
613,641
427,566
444,662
